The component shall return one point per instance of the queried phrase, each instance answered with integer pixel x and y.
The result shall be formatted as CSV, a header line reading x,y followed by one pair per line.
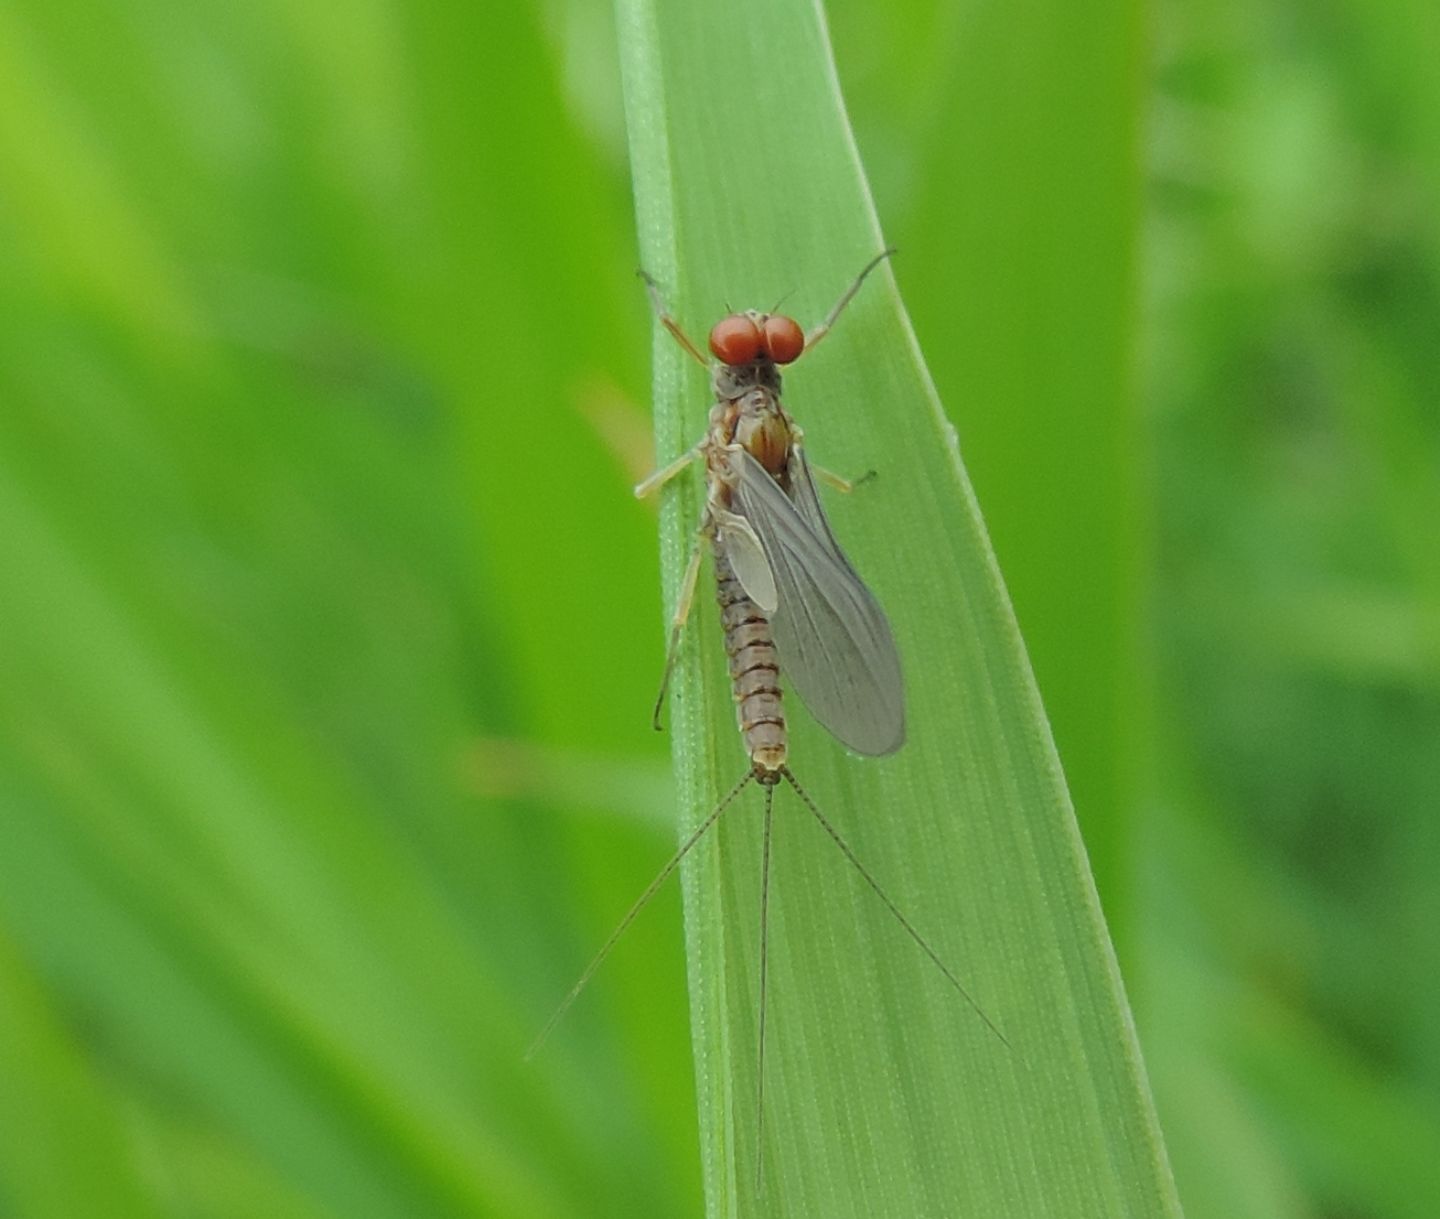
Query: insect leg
x,y
820,331
828,477
677,624
839,482
663,475
668,321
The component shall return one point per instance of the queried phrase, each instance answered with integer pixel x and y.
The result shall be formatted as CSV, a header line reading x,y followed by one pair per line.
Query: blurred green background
x,y
328,627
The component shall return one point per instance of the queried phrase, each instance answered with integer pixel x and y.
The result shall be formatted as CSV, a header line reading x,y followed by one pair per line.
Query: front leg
x,y
682,613
665,474
828,477
831,479
667,319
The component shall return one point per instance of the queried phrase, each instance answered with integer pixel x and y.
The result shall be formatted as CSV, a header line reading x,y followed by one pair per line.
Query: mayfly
x,y
790,601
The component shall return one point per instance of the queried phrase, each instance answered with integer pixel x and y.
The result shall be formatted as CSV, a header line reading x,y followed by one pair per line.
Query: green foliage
x,y
886,1094
328,628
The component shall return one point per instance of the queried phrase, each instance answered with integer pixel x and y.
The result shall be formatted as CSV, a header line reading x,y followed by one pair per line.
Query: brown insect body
x,y
748,413
754,674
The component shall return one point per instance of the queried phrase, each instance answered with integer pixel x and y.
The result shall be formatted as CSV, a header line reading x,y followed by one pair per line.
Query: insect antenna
x,y
640,903
891,906
776,306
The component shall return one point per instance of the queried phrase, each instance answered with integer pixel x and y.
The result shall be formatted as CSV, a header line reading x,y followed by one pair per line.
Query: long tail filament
x,y
641,902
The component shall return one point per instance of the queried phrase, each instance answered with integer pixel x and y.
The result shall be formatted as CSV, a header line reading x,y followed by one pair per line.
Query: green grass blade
x,y
1032,281
886,1095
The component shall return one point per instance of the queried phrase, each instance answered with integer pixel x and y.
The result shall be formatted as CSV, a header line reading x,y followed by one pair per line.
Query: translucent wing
x,y
747,559
834,642
807,503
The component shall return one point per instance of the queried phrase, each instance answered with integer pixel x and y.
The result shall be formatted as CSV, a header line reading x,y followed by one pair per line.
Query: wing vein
x,y
834,642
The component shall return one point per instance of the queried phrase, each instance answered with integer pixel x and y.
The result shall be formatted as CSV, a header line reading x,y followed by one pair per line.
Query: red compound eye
x,y
735,339
784,340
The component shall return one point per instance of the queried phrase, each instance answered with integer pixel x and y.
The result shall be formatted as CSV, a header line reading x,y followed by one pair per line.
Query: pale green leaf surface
x,y
885,1094
78,1118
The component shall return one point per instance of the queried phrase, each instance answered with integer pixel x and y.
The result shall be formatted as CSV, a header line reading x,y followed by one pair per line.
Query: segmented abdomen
x,y
754,670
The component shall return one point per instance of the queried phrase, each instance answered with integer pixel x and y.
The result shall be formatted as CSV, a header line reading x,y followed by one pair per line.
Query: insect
x,y
791,604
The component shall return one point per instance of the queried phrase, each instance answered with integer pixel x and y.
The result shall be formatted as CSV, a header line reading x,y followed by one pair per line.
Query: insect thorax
x,y
733,381
748,412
